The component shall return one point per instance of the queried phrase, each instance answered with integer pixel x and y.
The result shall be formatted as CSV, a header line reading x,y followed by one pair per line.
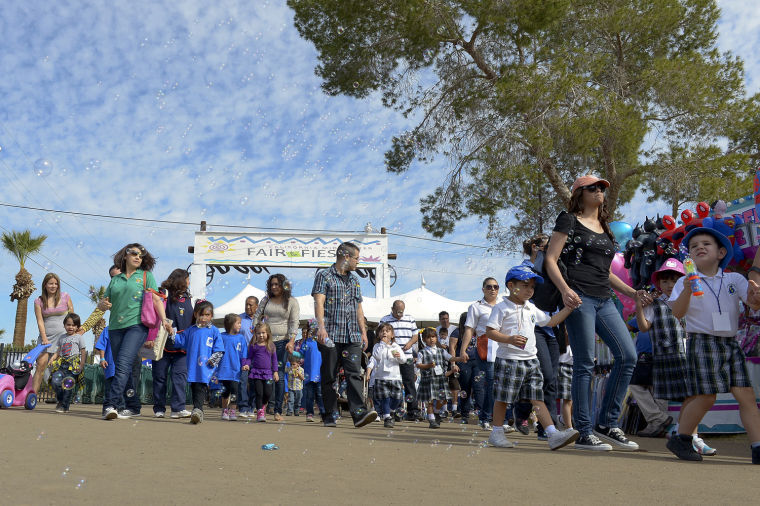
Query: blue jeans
x,y
599,316
473,389
312,390
125,343
385,406
279,387
294,401
178,364
484,368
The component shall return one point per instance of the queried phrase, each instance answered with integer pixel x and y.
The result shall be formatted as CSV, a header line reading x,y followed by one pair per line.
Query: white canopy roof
x,y
237,303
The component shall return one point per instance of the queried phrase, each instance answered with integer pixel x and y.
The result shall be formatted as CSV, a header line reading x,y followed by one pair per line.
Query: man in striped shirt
x,y
405,332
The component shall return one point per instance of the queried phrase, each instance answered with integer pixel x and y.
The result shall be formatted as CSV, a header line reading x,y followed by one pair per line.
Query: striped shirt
x,y
342,298
403,329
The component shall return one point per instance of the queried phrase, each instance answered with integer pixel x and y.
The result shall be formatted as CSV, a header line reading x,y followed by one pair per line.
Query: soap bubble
x,y
372,460
57,378
93,165
244,200
41,435
139,196
462,394
130,392
345,353
329,435
68,383
81,483
340,30
66,472
43,167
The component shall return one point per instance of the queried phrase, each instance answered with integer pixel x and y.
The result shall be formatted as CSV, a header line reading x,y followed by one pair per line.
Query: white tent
x,y
237,303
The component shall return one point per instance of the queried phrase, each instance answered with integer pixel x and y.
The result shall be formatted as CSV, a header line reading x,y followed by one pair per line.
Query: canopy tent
x,y
237,303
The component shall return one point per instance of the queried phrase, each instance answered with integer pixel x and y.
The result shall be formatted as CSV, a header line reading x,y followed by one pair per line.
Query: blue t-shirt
x,y
104,343
235,349
246,327
312,361
200,344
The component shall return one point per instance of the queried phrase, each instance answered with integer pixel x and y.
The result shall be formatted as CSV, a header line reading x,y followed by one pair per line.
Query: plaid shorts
x,y
389,389
565,381
715,364
514,380
433,388
669,377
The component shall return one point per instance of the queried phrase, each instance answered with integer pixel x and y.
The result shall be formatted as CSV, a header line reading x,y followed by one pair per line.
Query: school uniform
x,y
433,383
228,374
669,368
565,375
200,343
387,373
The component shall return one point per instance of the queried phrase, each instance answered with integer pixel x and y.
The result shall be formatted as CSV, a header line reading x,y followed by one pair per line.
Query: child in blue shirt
x,y
312,362
205,350
235,347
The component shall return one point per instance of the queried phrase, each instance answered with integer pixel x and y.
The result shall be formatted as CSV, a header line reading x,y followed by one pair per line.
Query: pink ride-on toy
x,y
17,382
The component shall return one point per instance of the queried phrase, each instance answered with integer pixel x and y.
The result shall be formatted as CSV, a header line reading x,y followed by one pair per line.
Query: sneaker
x,y
196,416
289,413
508,429
457,414
233,415
277,417
485,425
388,423
110,414
591,442
59,408
437,418
616,437
562,438
756,455
261,415
701,447
328,421
159,414
499,440
270,411
522,426
124,414
225,414
434,424
132,413
541,436
366,418
309,418
66,410
181,414
683,449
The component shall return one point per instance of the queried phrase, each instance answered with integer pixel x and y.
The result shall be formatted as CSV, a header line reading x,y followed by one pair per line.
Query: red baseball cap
x,y
587,180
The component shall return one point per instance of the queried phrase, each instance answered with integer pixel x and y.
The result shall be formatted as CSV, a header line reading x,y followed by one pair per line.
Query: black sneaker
x,y
328,421
615,436
756,455
684,450
523,427
388,423
363,419
593,443
437,418
396,417
457,414
59,408
434,424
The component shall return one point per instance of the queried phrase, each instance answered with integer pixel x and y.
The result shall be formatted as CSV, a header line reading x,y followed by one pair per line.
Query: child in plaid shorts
x,y
434,385
565,387
389,389
517,373
715,362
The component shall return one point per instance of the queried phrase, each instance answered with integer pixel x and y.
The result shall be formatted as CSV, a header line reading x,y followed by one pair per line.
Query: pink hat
x,y
671,264
587,180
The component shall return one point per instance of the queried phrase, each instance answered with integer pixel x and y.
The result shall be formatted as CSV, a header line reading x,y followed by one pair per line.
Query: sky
x,y
188,111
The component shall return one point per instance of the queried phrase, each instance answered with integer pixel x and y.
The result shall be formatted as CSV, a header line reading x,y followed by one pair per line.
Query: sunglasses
x,y
592,188
135,253
491,287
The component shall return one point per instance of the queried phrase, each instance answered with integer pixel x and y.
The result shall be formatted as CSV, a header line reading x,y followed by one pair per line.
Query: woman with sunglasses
x,y
281,312
126,331
582,239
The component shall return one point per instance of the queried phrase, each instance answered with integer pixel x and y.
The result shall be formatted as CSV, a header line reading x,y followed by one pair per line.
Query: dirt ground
x,y
50,458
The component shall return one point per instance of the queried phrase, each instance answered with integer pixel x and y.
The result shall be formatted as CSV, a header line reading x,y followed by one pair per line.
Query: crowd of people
x,y
507,360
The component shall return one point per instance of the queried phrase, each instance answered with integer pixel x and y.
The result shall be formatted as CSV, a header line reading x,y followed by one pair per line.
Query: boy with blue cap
x,y
715,361
517,373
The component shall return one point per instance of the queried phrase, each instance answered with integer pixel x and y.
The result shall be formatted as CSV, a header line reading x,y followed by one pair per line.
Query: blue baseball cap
x,y
723,242
522,273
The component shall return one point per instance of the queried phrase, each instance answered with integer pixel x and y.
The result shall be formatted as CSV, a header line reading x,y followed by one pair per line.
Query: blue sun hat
x,y
522,273
723,242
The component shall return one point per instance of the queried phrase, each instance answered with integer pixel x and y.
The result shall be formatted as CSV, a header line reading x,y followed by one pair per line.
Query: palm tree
x,y
21,245
96,295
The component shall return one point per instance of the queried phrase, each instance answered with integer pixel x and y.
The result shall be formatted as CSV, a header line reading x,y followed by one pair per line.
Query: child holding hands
x,y
517,373
388,388
261,361
433,381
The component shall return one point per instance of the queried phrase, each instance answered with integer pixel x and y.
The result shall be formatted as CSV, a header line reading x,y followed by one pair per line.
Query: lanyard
x,y
717,295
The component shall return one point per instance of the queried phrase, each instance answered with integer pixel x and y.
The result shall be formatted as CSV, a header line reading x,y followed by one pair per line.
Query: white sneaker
x,y
701,447
196,416
181,414
124,414
110,414
508,428
159,414
485,425
499,440
562,438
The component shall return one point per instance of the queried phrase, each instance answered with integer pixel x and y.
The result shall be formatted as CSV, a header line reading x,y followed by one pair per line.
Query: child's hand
x,y
104,305
276,377
396,353
517,340
103,363
210,363
246,368
454,368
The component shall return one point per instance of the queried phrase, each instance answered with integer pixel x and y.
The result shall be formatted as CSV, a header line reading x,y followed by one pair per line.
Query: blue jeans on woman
x,y
178,363
472,389
484,370
125,343
312,390
279,387
599,316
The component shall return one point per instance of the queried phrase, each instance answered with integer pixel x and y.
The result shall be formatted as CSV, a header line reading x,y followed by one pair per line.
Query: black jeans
x,y
473,390
263,389
279,386
408,377
178,364
200,391
349,356
231,389
548,357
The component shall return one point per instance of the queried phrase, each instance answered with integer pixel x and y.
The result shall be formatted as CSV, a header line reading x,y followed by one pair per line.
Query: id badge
x,y
721,322
437,370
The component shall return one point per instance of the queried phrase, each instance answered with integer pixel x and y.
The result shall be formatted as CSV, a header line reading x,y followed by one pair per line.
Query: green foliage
x,y
21,244
523,96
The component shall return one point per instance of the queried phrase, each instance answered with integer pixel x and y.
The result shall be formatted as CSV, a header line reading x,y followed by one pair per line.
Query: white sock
x,y
550,430
431,417
498,428
386,416
454,407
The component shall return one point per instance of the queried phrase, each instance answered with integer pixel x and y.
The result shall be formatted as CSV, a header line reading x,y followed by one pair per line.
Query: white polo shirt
x,y
510,318
728,288
477,318
403,330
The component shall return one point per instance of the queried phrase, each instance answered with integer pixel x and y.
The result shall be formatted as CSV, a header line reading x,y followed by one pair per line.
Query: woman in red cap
x,y
583,241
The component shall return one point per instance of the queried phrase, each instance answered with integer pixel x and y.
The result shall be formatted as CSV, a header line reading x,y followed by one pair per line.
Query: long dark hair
x,y
576,207
57,295
175,284
120,257
200,307
284,283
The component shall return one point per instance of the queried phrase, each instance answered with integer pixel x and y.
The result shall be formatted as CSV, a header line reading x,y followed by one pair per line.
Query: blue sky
x,y
181,110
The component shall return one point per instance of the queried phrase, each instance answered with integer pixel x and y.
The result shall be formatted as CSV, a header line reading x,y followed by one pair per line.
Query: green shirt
x,y
126,297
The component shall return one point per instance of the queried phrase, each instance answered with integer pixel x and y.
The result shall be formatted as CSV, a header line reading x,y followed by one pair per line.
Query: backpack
x,y
546,296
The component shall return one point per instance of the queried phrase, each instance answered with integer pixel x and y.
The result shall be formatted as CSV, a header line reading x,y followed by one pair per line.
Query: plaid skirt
x,y
514,380
389,389
669,377
715,364
565,381
433,388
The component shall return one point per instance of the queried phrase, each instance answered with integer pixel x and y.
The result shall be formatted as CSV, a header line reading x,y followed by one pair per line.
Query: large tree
x,y
522,96
21,245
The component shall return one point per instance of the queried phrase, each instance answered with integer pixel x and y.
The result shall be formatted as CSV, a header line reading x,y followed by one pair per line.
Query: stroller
x,y
16,382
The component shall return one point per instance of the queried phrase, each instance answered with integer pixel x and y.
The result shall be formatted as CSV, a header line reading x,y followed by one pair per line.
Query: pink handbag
x,y
148,314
